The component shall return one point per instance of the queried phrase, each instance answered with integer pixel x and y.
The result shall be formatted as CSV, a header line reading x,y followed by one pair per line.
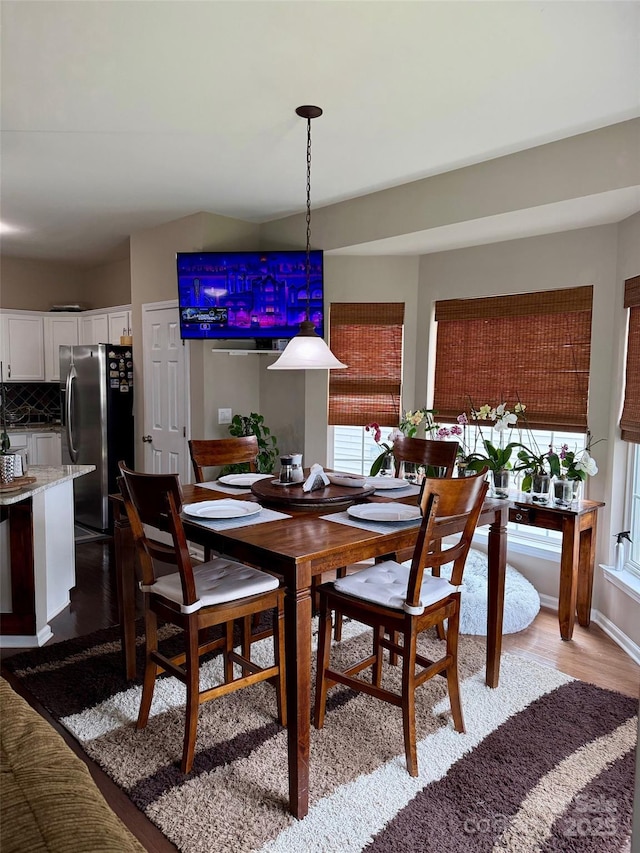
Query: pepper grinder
x,y
286,469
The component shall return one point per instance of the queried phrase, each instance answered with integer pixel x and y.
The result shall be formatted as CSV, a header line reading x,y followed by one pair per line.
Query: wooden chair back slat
x,y
217,452
433,454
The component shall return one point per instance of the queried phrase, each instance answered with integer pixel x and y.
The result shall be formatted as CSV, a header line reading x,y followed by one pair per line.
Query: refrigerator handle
x,y
71,375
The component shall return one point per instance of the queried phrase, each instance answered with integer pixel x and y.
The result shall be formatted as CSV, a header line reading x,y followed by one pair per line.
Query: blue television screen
x,y
239,295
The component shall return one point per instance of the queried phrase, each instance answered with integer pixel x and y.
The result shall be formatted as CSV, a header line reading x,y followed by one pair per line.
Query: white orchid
x,y
586,463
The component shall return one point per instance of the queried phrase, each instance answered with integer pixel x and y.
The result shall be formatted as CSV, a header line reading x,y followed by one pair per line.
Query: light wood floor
x,y
589,656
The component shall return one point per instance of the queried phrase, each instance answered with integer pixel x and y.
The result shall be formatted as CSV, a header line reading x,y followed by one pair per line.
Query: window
x,y
354,449
532,347
368,337
633,555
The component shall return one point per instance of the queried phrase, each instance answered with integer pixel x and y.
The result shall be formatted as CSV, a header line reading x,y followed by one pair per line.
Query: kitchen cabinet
x,y
22,347
119,324
94,329
59,330
42,448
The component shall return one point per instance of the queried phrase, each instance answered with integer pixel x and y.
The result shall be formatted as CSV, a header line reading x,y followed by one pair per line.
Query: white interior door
x,y
166,391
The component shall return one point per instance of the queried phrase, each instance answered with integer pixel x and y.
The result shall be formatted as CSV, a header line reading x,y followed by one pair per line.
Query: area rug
x,y
546,764
521,599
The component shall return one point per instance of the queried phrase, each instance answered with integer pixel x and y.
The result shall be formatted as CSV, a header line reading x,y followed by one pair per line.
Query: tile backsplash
x,y
37,402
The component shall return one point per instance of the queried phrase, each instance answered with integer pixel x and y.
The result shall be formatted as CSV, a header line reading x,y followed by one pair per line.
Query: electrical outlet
x,y
224,416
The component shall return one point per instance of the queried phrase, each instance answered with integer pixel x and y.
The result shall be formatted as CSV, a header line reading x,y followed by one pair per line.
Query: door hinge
x,y
184,432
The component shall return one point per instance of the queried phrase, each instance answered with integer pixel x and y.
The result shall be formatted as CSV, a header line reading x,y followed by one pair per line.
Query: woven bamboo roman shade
x,y
531,347
368,337
630,420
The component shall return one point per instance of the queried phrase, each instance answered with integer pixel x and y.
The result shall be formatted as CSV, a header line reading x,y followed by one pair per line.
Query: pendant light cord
x,y
307,256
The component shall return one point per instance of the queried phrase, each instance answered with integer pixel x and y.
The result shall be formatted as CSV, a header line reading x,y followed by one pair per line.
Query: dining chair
x,y
196,599
403,601
217,452
439,456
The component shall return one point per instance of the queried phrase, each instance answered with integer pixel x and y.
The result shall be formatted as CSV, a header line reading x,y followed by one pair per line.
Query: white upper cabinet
x,y
94,329
59,330
119,324
22,348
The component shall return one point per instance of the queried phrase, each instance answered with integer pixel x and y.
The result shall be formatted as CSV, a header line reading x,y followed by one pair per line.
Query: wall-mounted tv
x,y
240,295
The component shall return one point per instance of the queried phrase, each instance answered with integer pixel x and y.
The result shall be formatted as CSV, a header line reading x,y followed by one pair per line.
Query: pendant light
x,y
307,351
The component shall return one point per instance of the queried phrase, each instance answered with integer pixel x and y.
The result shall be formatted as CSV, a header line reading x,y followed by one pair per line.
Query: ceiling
x,y
119,116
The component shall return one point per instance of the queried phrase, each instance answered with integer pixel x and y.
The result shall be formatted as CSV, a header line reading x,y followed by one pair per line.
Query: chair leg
x,y
150,668
246,640
324,648
393,656
278,651
452,671
192,666
376,675
337,625
228,648
408,703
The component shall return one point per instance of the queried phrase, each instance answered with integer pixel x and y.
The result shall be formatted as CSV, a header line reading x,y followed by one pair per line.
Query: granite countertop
x,y
46,476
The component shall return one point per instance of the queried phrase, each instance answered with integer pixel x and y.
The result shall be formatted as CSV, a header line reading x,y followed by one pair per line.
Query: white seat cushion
x,y
217,582
386,584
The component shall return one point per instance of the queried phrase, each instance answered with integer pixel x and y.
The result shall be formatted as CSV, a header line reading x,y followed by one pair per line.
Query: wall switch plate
x,y
224,416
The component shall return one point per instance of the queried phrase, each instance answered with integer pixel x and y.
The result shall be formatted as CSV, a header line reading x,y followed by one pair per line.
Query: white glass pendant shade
x,y
307,351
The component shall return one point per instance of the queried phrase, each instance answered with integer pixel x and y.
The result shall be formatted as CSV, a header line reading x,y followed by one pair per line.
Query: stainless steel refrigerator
x,y
96,388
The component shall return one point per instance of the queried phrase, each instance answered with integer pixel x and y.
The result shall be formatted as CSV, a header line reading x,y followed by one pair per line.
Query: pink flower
x,y
563,451
456,429
377,435
462,419
443,432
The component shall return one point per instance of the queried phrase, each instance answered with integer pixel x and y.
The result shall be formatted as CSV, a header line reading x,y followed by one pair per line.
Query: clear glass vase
x,y
388,467
500,481
562,492
540,487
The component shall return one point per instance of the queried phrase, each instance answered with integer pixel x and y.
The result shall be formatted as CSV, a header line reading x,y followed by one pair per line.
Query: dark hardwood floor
x,y
590,656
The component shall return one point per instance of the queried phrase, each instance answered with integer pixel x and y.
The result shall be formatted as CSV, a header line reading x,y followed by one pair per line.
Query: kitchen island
x,y
37,553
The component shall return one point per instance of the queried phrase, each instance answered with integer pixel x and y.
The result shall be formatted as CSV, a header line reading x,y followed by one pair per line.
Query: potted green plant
x,y
253,424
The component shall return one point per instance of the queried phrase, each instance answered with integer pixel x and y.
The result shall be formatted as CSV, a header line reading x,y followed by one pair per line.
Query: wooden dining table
x,y
298,548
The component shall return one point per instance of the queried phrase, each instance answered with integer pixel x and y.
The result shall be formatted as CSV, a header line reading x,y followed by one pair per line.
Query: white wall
x,y
569,259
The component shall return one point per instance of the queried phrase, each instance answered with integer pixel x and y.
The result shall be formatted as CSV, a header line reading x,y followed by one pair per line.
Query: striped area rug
x,y
546,764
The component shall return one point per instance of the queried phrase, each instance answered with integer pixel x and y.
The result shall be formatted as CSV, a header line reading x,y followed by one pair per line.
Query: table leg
x,y
497,563
125,581
586,566
297,616
569,561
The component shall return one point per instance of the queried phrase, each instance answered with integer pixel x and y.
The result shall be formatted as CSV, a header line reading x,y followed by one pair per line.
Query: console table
x,y
578,524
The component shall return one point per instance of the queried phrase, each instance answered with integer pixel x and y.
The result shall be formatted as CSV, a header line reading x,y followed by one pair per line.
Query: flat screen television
x,y
244,295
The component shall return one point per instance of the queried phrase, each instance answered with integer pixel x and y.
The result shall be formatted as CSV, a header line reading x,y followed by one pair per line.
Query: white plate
x,y
384,512
387,482
222,509
242,479
356,481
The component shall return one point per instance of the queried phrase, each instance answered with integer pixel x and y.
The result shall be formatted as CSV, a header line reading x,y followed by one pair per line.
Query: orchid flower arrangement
x,y
578,464
502,419
410,423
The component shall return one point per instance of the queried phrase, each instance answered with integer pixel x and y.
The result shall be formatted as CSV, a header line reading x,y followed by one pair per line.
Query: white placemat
x,y
395,494
215,486
374,526
232,523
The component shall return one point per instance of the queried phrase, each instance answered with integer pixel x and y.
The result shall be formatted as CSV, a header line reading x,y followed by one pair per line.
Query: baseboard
x,y
611,630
